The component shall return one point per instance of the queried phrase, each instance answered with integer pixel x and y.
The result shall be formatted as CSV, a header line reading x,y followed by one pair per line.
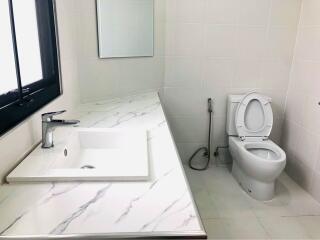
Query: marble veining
x,y
63,226
162,213
157,207
138,198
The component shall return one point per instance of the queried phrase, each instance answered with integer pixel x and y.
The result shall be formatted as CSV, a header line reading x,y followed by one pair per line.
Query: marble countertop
x,y
161,207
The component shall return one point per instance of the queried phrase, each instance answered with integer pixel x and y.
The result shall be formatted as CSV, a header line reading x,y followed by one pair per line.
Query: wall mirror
x,y
125,28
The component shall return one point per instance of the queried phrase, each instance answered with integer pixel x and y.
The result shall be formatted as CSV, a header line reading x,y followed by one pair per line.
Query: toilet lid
x,y
254,117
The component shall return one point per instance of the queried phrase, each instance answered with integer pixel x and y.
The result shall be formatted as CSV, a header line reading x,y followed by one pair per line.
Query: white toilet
x,y
257,161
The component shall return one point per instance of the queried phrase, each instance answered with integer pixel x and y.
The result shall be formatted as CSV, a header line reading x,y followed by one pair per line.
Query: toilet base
x,y
262,191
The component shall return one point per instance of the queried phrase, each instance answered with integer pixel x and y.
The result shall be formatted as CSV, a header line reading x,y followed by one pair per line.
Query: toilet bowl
x,y
257,161
256,166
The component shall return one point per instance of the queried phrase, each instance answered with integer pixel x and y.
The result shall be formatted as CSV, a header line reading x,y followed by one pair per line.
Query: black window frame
x,y
18,104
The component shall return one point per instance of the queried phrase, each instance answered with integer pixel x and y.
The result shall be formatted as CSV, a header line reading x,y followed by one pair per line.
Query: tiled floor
x,y
228,212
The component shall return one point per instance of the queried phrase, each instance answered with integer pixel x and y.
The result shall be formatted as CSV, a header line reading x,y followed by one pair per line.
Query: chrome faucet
x,y
49,124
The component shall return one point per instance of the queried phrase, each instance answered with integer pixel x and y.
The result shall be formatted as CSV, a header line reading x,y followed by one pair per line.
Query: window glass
x,y
8,79
27,36
29,64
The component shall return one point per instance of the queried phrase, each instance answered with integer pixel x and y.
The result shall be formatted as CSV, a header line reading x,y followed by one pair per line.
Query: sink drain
x,y
87,167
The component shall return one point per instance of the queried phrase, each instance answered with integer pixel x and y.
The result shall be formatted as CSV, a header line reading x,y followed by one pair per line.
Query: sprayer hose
x,y
207,150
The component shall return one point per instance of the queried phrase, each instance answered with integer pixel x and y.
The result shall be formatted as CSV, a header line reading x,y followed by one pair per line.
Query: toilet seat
x,y
254,117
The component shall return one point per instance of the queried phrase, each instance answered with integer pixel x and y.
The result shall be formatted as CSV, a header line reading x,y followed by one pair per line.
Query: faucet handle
x,y
49,115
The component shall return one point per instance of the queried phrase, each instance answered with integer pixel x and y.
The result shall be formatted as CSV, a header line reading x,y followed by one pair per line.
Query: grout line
x,y
266,231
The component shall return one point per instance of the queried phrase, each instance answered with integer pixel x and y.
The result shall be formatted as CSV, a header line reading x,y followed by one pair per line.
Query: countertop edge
x,y
134,235
181,165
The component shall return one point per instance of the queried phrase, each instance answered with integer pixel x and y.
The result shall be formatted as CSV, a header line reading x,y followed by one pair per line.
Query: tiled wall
x,y
203,48
301,138
107,78
218,47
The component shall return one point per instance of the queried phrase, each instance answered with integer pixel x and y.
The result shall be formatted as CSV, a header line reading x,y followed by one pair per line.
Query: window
x,y
29,66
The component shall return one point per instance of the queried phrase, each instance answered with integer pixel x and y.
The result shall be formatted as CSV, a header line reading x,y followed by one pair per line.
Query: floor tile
x,y
206,206
297,199
195,179
219,181
244,228
235,206
312,225
284,228
228,212
215,229
247,228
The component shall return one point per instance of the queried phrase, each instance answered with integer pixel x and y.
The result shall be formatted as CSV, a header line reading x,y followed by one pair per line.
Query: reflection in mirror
x,y
125,28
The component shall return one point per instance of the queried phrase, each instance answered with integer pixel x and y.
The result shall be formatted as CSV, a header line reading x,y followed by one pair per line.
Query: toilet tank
x,y
233,101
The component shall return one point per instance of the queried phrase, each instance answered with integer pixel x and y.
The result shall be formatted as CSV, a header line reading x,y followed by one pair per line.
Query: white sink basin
x,y
95,155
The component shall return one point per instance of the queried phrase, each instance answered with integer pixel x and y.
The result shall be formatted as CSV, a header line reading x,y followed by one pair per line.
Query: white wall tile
x,y
275,74
312,114
317,145
222,11
302,107
305,77
254,12
248,74
184,101
307,145
278,100
280,42
251,42
159,38
290,137
220,41
188,39
170,10
189,129
308,47
191,11
104,84
315,189
140,74
276,132
310,13
285,12
295,110
218,73
300,173
219,137
183,72
170,30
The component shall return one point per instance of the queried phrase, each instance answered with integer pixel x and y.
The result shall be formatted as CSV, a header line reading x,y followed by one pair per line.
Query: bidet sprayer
x,y
210,107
